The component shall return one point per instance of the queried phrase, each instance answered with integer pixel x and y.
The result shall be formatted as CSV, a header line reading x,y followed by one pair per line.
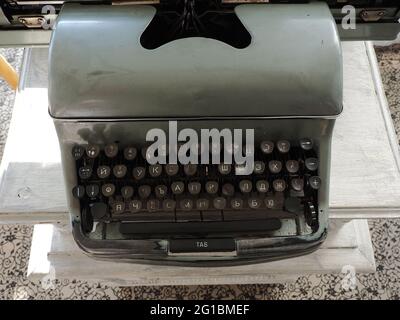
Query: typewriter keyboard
x,y
117,184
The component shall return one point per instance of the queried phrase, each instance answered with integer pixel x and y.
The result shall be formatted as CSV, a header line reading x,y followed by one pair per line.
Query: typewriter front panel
x,y
124,207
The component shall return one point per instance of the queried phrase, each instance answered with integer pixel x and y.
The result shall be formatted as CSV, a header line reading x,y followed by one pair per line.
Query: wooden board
x,y
54,253
365,179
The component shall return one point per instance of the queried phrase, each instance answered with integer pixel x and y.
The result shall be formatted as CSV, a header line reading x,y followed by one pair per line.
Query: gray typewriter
x,y
199,132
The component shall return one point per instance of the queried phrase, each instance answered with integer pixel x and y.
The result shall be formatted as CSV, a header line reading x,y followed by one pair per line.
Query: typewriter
x,y
199,132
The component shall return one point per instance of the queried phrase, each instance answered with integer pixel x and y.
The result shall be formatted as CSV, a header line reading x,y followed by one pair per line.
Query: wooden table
x,y
365,183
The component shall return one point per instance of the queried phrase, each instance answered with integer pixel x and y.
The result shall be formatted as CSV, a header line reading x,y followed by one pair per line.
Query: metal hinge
x,y
32,21
372,15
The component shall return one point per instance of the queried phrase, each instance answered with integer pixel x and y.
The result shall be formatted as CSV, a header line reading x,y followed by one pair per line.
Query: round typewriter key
x,y
279,185
270,202
292,166
254,203
194,188
103,172
92,151
293,205
315,182
169,204
190,169
85,172
228,190
92,190
144,191
119,170
111,150
306,144
98,210
259,167
177,187
143,152
202,204
267,147
155,170
139,172
224,168
297,184
130,153
311,164
275,166
237,203
245,186
78,192
211,187
127,192
108,189
161,191
78,152
118,207
186,204
135,206
171,169
283,146
153,205
219,203
262,186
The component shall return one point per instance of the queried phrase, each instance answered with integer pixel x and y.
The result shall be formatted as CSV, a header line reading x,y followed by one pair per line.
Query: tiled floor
x,y
384,284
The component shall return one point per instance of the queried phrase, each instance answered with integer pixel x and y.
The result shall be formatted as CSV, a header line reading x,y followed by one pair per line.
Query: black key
x,y
92,190
108,189
78,152
315,182
267,147
224,169
254,203
201,245
127,192
236,203
279,185
211,215
194,188
275,166
190,169
311,164
171,169
297,184
228,190
283,146
219,203
293,205
103,172
117,207
120,170
135,206
78,192
177,187
259,167
85,172
155,170
98,210
306,143
153,205
130,153
211,187
92,151
202,204
161,191
262,186
183,216
111,150
245,186
169,205
139,172
144,191
186,204
292,166
190,228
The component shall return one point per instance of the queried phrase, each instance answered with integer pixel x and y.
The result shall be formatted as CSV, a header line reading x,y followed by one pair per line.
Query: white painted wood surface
x,y
365,176
55,254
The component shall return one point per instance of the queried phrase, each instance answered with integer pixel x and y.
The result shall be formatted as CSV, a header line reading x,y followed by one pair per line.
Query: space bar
x,y
174,228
